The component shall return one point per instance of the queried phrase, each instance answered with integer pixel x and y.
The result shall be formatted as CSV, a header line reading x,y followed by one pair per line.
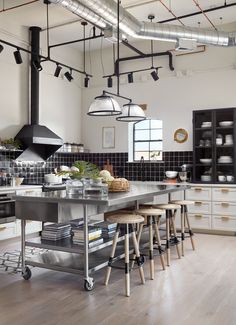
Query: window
x,y
145,140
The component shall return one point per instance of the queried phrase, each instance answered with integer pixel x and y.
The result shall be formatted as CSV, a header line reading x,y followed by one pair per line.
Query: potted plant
x,y
11,144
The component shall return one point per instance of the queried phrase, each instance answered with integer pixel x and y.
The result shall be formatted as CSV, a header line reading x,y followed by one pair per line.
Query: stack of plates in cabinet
x,y
225,160
226,123
206,124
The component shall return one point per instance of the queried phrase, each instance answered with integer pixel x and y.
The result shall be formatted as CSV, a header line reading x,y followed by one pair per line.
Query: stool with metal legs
x,y
185,222
170,227
153,217
128,220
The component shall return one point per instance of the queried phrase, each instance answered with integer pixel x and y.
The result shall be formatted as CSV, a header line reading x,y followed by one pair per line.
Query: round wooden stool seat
x,y
168,206
150,212
182,202
125,218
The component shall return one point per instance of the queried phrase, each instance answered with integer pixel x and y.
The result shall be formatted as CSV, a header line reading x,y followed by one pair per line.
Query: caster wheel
x,y
88,286
27,273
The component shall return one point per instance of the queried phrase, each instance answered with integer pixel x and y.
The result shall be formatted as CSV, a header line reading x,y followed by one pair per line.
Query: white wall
x,y
60,101
203,81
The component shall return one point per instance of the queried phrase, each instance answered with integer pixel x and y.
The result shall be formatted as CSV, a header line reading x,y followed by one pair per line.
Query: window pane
x,y
156,134
156,146
141,135
156,124
142,125
141,146
139,154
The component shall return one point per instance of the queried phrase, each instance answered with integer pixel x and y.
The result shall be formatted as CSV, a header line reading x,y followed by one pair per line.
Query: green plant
x,y
11,142
82,169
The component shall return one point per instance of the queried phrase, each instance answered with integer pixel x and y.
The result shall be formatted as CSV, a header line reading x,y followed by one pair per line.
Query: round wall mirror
x,y
180,135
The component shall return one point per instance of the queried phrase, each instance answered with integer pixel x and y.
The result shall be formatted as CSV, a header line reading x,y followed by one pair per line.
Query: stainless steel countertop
x,y
137,192
18,188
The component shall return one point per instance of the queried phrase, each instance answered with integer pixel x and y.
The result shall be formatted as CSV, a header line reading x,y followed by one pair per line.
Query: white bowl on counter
x,y
52,179
171,174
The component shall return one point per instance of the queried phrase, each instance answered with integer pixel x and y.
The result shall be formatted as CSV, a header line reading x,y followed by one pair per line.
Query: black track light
x,y
57,71
68,75
130,78
109,82
37,65
18,57
86,82
154,75
1,48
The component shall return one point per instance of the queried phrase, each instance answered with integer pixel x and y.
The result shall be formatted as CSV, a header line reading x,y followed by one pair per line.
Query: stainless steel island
x,y
58,207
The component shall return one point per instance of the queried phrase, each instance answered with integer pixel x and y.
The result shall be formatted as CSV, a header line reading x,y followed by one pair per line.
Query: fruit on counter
x,y
106,175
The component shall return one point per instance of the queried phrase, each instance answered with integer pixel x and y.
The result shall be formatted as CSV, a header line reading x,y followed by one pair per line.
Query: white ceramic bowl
x,y
206,178
171,174
18,180
226,123
206,160
52,178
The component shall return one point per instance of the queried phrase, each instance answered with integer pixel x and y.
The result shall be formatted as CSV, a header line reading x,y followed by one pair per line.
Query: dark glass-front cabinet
x,y
213,146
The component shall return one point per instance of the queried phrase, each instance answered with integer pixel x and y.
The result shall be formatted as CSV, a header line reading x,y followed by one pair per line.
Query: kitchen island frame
x,y
59,207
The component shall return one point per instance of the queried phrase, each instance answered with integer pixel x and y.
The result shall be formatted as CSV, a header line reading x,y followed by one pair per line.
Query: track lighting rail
x,y
43,58
133,71
76,41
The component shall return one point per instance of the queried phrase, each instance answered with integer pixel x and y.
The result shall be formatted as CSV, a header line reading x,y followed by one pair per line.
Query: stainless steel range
x,y
7,207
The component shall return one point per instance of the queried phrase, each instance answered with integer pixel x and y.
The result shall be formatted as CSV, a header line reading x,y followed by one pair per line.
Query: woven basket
x,y
119,185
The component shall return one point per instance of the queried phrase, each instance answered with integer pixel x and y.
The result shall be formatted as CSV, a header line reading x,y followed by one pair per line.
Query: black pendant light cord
x,y
118,46
48,48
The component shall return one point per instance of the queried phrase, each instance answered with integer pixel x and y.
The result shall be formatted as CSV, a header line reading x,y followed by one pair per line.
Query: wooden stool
x,y
185,220
153,217
125,219
170,226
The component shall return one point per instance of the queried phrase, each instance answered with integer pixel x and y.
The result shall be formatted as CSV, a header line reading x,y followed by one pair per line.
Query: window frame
x,y
149,141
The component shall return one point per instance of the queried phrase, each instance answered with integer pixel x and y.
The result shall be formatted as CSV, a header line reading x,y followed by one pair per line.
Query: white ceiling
x,y
66,26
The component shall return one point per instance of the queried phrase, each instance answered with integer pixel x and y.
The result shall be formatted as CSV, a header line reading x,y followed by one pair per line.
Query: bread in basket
x,y
119,185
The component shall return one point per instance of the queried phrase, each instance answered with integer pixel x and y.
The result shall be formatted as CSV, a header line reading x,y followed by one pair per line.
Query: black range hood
x,y
38,142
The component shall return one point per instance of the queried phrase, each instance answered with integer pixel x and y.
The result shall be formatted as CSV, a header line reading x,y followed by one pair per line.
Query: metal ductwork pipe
x,y
104,12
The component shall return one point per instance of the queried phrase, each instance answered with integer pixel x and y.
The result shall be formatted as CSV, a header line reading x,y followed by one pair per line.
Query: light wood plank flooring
x,y
199,289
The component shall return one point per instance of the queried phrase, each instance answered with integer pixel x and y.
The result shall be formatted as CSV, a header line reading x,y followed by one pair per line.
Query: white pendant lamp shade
x,y
131,113
104,106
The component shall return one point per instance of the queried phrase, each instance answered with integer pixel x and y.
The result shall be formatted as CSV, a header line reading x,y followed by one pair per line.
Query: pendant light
x,y
131,113
105,105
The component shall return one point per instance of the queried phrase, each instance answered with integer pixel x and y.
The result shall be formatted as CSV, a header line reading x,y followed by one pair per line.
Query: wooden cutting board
x,y
108,167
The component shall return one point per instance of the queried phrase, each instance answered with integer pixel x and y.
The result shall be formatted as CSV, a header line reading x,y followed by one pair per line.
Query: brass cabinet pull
x,y
198,216
198,203
2,228
225,190
225,205
198,189
224,218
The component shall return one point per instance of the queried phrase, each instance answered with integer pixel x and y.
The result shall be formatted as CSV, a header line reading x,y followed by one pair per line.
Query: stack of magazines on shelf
x,y
108,229
77,223
56,231
94,236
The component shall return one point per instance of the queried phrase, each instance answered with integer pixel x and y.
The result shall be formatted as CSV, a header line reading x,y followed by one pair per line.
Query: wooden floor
x,y
199,289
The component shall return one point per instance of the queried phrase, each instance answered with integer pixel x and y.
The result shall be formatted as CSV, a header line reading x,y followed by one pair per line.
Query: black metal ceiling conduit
x,y
226,5
145,56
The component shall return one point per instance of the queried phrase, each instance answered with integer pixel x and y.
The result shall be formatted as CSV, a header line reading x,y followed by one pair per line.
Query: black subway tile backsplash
x,y
34,172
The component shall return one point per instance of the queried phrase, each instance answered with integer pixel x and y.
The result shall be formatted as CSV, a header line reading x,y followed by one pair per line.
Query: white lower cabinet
x,y
8,230
214,207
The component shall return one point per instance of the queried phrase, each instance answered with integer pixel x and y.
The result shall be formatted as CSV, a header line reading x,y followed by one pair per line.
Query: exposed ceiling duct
x,y
104,12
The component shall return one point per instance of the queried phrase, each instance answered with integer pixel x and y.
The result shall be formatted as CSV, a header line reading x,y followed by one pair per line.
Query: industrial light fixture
x,y
86,82
37,65
131,113
109,82
18,57
68,75
130,78
1,48
154,75
57,71
104,105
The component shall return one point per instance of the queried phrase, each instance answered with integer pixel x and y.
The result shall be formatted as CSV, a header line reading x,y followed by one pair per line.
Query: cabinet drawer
x,y
224,208
224,194
7,230
198,193
200,207
224,223
200,221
